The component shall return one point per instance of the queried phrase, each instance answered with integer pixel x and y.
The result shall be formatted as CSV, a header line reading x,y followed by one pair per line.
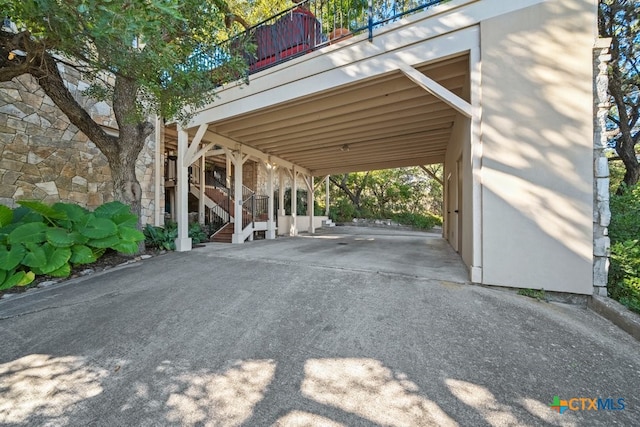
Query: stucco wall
x,y
459,230
537,133
45,157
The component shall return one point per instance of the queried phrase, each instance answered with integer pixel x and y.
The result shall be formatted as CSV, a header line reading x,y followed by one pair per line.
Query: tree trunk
x,y
126,188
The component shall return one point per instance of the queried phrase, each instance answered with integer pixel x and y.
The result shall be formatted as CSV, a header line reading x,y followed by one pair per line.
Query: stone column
x,y
601,212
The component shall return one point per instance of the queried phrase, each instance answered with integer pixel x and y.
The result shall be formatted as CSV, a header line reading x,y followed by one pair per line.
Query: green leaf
x,y
81,254
19,278
44,210
3,275
63,271
33,232
98,252
126,247
6,215
56,258
111,209
99,228
11,258
125,219
35,257
60,238
130,234
74,213
106,242
78,238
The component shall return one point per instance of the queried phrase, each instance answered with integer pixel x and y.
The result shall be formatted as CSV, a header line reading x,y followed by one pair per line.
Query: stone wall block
x,y
48,187
14,123
11,165
7,138
602,247
7,190
31,173
601,167
11,95
602,189
12,110
10,177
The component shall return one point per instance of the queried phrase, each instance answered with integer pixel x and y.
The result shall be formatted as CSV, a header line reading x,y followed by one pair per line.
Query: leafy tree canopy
x,y
620,20
151,42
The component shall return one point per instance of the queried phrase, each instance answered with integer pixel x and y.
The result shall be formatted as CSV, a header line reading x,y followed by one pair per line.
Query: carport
x,y
358,107
501,93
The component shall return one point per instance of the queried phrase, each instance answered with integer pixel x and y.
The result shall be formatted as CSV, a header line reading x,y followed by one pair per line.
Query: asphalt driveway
x,y
352,327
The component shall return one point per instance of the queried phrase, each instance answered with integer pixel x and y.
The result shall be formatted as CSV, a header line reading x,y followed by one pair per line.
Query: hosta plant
x,y
38,239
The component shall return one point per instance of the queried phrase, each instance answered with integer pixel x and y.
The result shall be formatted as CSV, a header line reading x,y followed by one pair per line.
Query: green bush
x,y
624,231
165,237
416,220
161,237
342,211
38,239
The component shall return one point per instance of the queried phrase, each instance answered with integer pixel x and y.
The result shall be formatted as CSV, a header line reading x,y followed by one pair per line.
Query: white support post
x,y
476,165
271,224
326,196
228,155
310,205
202,193
237,197
183,242
158,171
293,231
281,208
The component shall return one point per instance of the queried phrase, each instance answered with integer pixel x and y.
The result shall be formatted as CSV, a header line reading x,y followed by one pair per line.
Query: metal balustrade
x,y
305,27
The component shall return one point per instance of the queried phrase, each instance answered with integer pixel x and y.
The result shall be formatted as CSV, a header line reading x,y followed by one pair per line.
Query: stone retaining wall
x,y
601,212
45,157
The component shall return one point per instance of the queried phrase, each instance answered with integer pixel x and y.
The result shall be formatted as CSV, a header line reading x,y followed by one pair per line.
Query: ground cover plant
x,y
38,239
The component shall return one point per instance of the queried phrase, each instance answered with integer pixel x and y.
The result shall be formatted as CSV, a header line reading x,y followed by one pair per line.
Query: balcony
x,y
305,27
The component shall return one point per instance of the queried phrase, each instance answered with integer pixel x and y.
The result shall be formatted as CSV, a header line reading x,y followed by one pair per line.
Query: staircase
x,y
224,235
223,206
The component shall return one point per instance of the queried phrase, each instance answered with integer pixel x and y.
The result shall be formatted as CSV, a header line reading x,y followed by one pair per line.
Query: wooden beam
x,y
433,87
194,144
378,165
232,144
202,152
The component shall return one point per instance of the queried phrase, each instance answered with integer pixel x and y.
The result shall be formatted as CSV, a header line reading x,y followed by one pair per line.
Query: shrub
x,y
416,220
164,237
38,239
624,231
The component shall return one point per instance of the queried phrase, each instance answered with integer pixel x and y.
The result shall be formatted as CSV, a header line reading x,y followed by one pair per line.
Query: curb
x,y
617,313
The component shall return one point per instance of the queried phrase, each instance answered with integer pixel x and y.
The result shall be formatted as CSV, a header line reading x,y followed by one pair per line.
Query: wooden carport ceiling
x,y
383,122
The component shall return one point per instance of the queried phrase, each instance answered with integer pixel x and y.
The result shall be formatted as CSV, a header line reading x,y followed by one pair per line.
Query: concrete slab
x,y
305,335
